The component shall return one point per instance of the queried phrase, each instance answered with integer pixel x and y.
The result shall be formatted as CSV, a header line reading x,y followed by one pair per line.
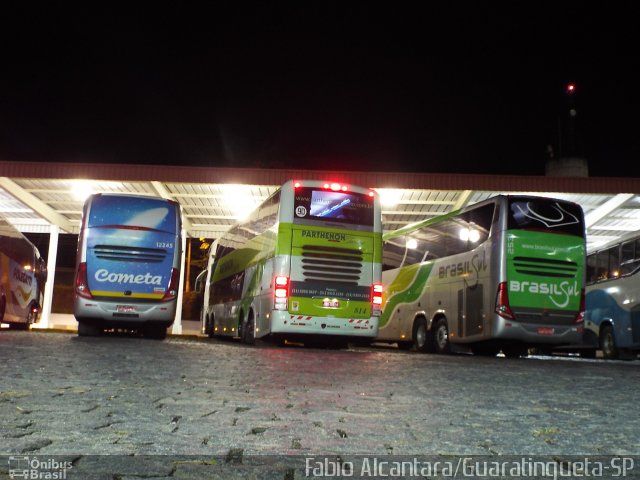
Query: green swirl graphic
x,y
409,285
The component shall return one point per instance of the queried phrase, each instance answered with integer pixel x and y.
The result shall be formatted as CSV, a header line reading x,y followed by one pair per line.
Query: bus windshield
x,y
546,215
336,206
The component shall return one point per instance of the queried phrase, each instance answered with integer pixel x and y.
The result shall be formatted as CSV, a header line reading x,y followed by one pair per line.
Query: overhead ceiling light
x,y
389,197
239,199
81,189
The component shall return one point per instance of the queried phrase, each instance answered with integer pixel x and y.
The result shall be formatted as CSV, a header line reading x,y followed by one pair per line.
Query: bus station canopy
x,y
35,196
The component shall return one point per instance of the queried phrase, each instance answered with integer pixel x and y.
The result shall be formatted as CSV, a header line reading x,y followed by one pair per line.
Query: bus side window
x,y
627,257
481,219
592,268
608,263
393,253
614,262
602,265
416,251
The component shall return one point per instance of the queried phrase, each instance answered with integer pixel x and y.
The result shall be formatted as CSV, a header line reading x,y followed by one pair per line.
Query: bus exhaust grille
x,y
342,265
129,254
545,267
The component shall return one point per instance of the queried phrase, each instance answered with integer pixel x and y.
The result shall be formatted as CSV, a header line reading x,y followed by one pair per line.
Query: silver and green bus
x,y
505,274
305,266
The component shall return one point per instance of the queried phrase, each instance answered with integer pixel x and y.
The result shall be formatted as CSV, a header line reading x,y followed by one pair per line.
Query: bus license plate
x,y
331,303
546,331
125,309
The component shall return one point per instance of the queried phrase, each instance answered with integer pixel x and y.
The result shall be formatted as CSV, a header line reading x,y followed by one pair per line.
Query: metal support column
x,y
177,321
54,232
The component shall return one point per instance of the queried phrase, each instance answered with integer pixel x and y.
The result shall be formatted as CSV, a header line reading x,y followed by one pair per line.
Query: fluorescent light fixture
x,y
81,189
239,199
389,197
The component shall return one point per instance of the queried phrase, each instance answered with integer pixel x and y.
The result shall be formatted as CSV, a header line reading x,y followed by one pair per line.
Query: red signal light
x,y
172,289
82,285
376,294
571,88
336,187
281,292
502,302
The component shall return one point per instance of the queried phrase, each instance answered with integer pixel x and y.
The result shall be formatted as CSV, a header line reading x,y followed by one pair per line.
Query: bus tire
x,y
420,335
515,351
248,330
155,332
88,330
608,343
211,326
3,306
588,353
20,326
485,350
441,336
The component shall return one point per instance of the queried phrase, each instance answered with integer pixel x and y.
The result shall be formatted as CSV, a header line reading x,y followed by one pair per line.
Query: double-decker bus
x,y
128,264
505,274
304,266
612,315
23,273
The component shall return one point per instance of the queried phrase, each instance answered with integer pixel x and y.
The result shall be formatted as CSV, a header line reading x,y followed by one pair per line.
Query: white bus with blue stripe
x,y
612,316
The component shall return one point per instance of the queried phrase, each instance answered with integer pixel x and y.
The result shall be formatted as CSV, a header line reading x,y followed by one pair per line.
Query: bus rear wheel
x,y
86,329
20,326
156,332
441,336
422,340
211,327
485,350
515,351
608,343
248,331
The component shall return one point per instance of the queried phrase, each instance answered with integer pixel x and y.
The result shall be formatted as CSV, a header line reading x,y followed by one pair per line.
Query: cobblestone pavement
x,y
123,407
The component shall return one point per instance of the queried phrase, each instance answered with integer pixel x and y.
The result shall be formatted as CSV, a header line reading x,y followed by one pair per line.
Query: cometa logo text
x,y
103,275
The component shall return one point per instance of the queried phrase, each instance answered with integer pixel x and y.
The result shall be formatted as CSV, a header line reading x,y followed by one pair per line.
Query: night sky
x,y
468,88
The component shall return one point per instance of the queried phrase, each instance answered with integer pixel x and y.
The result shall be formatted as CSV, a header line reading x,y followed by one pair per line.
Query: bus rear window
x,y
546,215
343,207
127,211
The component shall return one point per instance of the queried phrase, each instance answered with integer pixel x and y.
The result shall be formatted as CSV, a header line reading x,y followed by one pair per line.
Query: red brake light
x,y
502,302
82,286
172,288
376,297
281,292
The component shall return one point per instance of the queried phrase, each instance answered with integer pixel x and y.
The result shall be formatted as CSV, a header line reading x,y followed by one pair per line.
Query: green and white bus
x,y
305,266
505,274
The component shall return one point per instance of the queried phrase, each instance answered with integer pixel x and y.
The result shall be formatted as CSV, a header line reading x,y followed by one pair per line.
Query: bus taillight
x,y
376,298
580,315
502,302
281,292
82,286
172,289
